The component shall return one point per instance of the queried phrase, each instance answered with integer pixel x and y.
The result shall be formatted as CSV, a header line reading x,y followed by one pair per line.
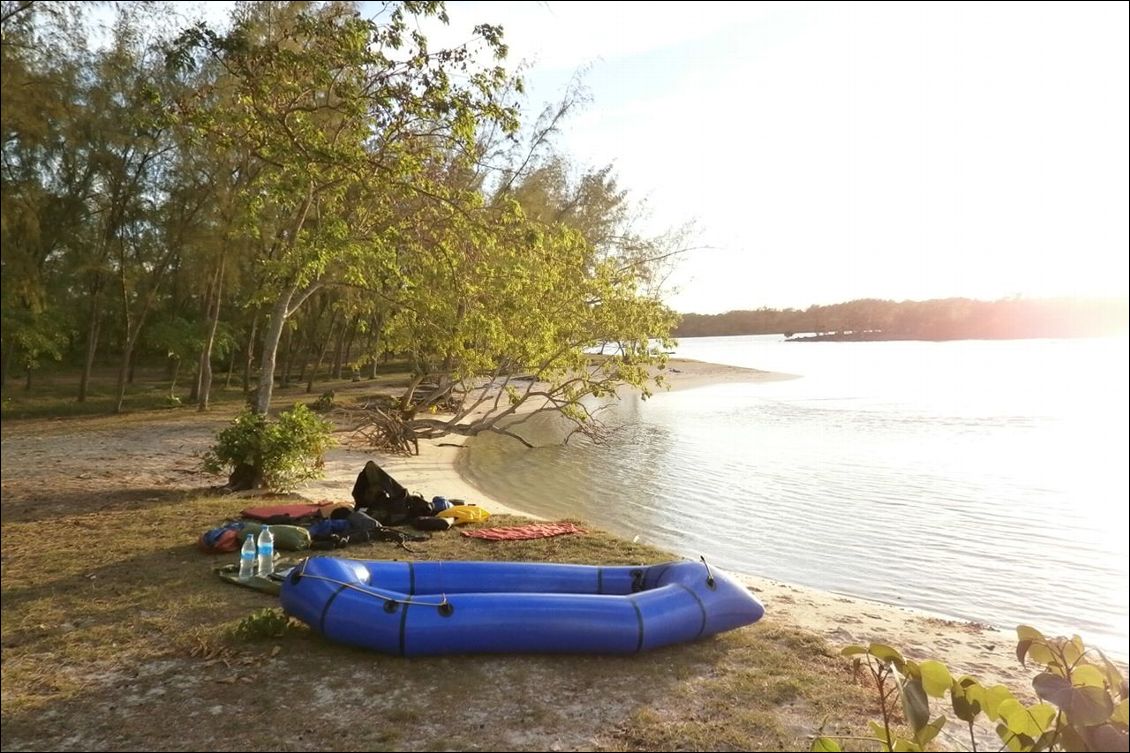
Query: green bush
x,y
278,454
1082,707
266,624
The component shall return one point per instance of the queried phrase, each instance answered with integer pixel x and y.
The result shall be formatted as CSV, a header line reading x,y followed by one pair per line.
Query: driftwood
x,y
382,427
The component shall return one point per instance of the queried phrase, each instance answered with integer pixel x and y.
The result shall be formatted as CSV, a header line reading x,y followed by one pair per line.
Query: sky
x,y
832,151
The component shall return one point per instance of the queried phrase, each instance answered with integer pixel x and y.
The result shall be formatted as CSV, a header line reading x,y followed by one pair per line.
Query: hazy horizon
x,y
1094,298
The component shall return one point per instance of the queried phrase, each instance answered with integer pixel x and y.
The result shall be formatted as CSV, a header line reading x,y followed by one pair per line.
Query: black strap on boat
x,y
710,582
637,581
403,624
411,579
639,622
600,580
701,607
326,608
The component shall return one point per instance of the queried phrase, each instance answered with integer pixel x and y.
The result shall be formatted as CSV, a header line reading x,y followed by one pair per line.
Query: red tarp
x,y
519,533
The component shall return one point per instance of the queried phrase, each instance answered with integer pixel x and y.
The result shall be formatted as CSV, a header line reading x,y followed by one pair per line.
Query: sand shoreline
x,y
968,647
86,458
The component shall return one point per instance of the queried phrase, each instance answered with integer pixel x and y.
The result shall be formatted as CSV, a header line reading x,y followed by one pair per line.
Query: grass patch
x,y
53,394
114,626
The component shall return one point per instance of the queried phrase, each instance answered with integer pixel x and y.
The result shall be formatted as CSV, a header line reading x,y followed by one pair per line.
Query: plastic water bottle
x,y
247,558
266,552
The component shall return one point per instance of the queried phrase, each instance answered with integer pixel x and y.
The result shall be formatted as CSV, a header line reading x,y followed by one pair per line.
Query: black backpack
x,y
379,495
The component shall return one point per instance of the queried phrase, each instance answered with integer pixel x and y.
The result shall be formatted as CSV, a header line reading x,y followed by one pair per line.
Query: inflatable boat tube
x,y
428,608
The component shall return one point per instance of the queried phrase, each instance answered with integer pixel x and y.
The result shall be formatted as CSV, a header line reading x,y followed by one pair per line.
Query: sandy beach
x,y
50,466
87,473
984,651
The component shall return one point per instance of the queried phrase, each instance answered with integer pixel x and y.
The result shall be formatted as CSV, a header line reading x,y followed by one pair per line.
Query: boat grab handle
x,y
390,597
710,583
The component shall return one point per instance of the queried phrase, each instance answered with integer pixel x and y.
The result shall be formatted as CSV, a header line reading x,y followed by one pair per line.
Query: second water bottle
x,y
266,552
247,558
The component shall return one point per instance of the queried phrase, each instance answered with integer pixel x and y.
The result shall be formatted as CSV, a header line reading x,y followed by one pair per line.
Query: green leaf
x,y
936,679
1073,649
902,744
1071,740
885,653
1053,688
879,732
852,650
1009,738
993,698
1041,716
1089,706
967,697
1107,737
1022,651
915,704
1032,643
1121,713
1089,675
1084,706
1114,676
930,731
963,708
1014,716
825,745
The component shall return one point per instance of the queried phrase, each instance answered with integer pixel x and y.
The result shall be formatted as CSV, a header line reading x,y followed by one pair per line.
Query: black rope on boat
x,y
385,595
710,582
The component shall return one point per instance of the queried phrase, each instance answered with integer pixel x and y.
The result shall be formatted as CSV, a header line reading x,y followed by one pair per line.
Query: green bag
x,y
272,584
289,538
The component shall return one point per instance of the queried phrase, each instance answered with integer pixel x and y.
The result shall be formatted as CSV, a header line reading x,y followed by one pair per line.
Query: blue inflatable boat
x,y
427,608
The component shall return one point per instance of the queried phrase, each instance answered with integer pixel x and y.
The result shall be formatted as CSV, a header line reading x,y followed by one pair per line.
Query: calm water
x,y
985,480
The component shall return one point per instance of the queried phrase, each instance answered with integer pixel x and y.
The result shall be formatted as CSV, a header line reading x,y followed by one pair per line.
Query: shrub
x,y
1083,699
265,624
278,454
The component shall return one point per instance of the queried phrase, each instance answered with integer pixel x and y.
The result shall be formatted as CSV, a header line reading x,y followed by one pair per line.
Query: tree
x,y
501,317
46,176
340,111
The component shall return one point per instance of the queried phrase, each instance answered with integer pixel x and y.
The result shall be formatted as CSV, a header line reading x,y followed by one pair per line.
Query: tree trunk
x,y
91,344
173,383
288,356
270,349
194,392
27,384
9,351
206,354
282,309
339,349
349,342
322,353
231,369
123,372
250,351
374,342
312,340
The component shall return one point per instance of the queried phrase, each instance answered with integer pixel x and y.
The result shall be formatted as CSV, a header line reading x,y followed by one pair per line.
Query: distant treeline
x,y
939,319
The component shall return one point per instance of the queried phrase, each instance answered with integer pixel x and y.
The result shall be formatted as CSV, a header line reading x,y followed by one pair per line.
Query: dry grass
x,y
116,635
